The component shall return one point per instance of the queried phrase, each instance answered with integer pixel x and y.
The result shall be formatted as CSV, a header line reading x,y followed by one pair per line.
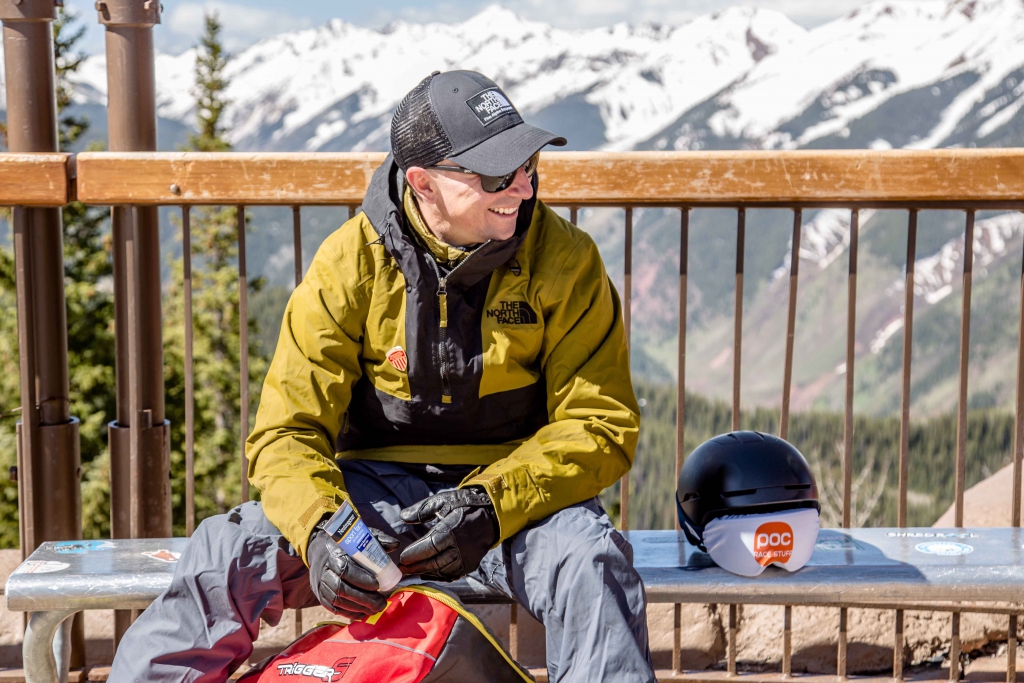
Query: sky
x,y
252,20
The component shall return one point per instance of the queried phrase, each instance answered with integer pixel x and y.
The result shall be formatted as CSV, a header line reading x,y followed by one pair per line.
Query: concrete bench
x,y
849,568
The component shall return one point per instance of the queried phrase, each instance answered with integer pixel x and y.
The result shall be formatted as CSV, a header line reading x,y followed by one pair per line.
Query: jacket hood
x,y
383,207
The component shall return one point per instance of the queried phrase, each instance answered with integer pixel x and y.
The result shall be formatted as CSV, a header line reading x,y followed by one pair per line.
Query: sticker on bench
x,y
41,567
163,555
838,544
80,547
932,534
945,548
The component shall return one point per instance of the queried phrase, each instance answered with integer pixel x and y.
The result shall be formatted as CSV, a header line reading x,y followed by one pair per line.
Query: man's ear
x,y
421,183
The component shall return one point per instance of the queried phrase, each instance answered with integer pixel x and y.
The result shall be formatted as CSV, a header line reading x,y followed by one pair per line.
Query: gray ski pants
x,y
572,571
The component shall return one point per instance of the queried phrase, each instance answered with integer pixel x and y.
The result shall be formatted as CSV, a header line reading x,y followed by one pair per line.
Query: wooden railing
x,y
966,180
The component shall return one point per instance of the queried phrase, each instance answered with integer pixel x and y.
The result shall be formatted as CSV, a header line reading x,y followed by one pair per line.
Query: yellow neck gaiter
x,y
444,253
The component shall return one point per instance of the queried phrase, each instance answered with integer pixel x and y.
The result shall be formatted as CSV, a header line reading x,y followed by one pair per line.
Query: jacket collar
x,y
383,207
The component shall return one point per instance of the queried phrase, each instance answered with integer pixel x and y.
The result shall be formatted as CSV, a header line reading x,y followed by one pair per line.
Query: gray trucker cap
x,y
463,116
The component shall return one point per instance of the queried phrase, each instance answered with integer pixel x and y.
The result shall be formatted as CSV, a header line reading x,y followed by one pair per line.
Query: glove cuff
x,y
481,498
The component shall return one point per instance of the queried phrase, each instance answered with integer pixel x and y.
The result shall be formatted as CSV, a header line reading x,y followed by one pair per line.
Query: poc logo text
x,y
773,542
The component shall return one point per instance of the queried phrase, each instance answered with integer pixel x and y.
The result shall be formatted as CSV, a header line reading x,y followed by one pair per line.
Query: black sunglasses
x,y
495,183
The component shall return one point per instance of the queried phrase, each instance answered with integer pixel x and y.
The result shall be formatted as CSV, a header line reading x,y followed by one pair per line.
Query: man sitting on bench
x,y
454,363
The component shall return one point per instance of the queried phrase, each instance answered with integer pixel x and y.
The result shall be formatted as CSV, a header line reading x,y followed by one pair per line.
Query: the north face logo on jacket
x,y
513,313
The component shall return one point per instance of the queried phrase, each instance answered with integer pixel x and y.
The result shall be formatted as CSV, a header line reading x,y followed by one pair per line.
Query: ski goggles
x,y
746,544
495,183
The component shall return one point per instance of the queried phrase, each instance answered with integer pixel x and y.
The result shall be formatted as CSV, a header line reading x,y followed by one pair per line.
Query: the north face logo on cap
x,y
490,105
773,542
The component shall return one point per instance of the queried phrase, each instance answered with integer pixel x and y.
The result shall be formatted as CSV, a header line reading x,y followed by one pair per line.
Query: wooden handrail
x,y
898,177
35,179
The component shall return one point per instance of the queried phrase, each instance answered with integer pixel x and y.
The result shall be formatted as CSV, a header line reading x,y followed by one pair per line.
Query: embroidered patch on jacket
x,y
513,313
398,359
490,105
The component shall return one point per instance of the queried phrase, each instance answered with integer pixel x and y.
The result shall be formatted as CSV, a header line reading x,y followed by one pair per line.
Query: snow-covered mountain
x,y
903,73
335,87
890,74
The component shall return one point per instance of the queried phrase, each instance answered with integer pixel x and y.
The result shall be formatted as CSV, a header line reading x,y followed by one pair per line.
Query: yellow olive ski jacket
x,y
513,359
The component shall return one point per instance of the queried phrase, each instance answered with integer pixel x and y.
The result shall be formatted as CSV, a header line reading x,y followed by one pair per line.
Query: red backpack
x,y
423,635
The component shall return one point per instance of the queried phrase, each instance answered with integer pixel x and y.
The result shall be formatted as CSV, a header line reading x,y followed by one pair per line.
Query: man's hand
x,y
340,583
466,528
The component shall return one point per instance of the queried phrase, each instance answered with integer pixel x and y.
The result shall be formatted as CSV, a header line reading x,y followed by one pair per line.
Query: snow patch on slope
x,y
935,276
823,239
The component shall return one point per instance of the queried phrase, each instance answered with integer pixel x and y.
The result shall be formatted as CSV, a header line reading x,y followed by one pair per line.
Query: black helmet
x,y
741,473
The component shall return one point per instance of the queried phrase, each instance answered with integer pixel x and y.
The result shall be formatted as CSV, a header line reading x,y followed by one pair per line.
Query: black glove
x,y
341,584
466,528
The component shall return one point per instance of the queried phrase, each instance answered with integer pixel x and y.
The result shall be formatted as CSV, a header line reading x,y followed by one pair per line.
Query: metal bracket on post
x,y
120,13
28,10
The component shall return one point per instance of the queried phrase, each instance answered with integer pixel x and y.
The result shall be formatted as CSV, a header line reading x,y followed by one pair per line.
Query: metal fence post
x,y
50,499
131,123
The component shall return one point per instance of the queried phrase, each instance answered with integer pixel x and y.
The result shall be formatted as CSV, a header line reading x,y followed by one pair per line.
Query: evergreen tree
x,y
218,444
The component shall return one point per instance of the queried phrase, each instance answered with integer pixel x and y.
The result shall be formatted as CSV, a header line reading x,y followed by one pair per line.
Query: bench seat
x,y
848,567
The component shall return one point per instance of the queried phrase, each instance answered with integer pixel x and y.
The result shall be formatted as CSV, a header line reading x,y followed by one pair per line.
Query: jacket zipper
x,y
442,346
442,305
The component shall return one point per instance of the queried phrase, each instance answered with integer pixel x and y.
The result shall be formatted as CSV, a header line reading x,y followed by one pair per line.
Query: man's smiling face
x,y
460,212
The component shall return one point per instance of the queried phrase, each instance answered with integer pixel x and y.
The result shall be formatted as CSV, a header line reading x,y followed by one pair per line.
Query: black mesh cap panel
x,y
417,137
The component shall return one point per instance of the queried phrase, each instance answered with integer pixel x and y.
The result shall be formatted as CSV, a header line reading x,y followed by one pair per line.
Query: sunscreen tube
x,y
348,531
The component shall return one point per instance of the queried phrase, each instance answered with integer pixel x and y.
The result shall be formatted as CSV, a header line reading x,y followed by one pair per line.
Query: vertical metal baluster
x,y
1011,650
841,655
908,335
897,648
904,465
513,613
851,329
954,648
677,638
190,391
787,641
573,214
1018,451
731,642
352,210
513,631
1018,423
134,380
297,241
794,273
297,238
627,305
684,260
28,431
243,347
965,352
737,340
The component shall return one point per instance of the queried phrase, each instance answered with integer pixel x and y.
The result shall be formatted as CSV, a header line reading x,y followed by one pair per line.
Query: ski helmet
x,y
741,473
